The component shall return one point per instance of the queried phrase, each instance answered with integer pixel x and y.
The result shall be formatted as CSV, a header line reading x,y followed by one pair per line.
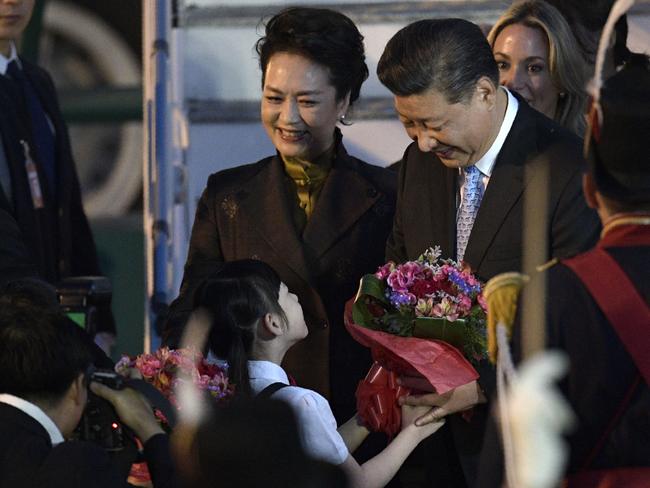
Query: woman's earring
x,y
562,94
343,119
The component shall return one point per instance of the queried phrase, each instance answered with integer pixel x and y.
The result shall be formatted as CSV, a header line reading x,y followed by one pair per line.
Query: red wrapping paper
x,y
442,365
377,398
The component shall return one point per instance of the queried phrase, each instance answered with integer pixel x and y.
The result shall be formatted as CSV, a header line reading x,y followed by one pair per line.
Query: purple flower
x,y
400,299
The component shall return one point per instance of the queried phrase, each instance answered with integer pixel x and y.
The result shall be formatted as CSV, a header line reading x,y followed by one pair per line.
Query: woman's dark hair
x,y
324,36
237,297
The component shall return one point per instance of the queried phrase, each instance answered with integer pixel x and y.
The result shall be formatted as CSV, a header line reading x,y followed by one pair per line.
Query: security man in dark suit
x,y
478,149
38,180
44,367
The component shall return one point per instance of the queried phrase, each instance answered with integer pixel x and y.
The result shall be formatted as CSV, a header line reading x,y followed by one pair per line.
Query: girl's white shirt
x,y
316,423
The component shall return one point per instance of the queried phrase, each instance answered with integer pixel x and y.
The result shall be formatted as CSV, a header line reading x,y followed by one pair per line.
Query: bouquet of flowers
x,y
164,369
416,317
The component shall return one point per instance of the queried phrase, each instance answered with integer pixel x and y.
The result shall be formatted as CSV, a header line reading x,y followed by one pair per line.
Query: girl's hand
x,y
410,414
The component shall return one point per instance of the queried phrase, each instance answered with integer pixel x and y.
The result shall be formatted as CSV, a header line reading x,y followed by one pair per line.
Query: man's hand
x,y
456,400
132,409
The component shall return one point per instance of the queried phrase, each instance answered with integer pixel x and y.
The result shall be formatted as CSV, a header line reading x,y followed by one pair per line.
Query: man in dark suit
x,y
44,363
477,150
38,180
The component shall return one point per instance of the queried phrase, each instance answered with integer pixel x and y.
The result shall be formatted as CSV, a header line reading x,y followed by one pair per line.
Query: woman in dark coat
x,y
317,215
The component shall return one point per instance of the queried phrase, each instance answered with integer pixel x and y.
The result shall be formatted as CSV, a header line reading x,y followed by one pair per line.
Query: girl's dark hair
x,y
324,36
237,297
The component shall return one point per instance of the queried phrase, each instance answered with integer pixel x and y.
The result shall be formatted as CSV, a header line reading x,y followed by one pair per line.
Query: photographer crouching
x,y
45,363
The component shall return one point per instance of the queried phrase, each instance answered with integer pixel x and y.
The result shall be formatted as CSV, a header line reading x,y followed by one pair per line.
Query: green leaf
x,y
371,291
455,333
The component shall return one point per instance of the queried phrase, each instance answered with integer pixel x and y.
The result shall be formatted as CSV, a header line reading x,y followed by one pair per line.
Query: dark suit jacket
x,y
58,237
28,460
427,190
426,216
601,372
246,212
27,457
15,259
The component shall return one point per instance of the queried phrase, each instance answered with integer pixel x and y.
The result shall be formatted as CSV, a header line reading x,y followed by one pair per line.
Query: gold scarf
x,y
309,178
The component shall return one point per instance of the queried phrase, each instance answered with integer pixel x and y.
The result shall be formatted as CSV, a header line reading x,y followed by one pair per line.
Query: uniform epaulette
x,y
547,265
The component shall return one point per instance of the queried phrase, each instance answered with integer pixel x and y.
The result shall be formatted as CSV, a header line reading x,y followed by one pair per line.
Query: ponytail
x,y
237,297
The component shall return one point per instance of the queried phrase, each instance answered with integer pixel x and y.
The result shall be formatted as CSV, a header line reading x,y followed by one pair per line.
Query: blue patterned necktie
x,y
42,135
472,194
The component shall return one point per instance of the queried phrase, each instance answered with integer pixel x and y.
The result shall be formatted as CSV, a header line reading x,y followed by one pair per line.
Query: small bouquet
x,y
416,317
164,369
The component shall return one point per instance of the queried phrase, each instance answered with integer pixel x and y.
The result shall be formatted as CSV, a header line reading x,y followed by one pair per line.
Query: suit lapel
x,y
48,100
505,187
345,197
267,204
437,217
446,221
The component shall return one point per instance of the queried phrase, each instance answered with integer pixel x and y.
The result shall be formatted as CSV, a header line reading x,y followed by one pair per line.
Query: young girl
x,y
255,320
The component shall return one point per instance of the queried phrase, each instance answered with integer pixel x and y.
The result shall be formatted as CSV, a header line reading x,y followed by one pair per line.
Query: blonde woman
x,y
537,57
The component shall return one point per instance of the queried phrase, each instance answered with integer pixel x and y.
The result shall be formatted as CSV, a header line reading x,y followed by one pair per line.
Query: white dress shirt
x,y
36,413
316,423
486,164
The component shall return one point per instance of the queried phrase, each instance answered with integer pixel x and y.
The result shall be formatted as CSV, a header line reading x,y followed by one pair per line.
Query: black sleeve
x,y
15,260
78,465
159,460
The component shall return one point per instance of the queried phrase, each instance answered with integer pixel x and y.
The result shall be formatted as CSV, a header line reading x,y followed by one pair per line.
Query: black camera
x,y
100,423
85,299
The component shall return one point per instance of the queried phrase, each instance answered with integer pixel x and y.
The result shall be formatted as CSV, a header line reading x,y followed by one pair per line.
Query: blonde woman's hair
x,y
566,65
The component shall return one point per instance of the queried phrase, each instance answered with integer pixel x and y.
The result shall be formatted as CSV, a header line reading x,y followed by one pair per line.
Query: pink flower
x,y
148,366
385,270
481,301
446,309
403,276
464,304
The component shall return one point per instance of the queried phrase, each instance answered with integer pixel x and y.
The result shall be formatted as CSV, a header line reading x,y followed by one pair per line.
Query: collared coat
x,y
246,212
